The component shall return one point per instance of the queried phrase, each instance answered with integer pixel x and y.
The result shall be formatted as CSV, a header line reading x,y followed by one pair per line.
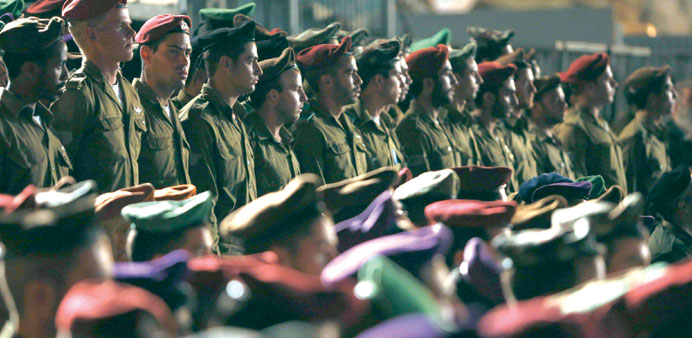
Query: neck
x,y
594,110
271,120
648,118
541,124
329,104
427,106
460,105
486,118
23,92
162,91
108,68
228,95
373,106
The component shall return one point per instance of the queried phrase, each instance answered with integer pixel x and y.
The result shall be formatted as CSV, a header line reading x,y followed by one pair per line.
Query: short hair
x,y
259,96
214,54
478,100
312,77
639,98
15,61
147,245
367,74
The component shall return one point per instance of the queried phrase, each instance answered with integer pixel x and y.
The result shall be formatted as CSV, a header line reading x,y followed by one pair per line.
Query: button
x,y
449,148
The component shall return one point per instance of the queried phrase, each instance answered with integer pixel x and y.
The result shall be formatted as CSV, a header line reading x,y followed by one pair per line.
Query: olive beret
x,y
222,37
31,35
169,216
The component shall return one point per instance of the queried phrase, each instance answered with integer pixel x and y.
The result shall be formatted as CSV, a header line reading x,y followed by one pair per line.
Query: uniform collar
x,y
90,70
263,133
214,97
539,132
144,91
363,116
184,97
15,106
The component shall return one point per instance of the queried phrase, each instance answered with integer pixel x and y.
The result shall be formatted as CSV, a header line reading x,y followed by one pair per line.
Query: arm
x,y
309,149
576,143
415,146
73,113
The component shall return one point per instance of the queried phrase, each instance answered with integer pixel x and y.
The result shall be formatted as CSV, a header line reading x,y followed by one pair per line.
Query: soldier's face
x,y
394,85
443,93
170,64
628,253
346,81
505,100
318,249
406,79
553,105
292,96
469,82
245,70
525,89
666,100
115,36
603,88
54,73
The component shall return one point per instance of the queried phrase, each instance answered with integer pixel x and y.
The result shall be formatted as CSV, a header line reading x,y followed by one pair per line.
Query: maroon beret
x,y
494,73
586,68
160,25
427,62
477,178
45,8
470,213
322,56
87,9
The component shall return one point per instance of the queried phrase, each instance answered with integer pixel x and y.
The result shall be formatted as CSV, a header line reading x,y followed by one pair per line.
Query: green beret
x,y
273,68
169,216
14,7
546,83
458,57
645,80
377,55
226,14
358,36
443,37
597,185
31,35
313,37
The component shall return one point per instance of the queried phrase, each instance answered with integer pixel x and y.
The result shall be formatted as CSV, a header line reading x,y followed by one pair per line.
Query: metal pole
x,y
294,16
391,17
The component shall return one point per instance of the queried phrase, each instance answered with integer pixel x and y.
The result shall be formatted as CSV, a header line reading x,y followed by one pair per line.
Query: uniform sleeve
x,y
633,153
309,149
203,161
72,112
415,147
576,143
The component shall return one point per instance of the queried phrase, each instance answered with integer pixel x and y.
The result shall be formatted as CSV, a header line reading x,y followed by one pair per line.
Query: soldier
x,y
670,200
290,223
459,111
46,251
165,50
380,69
196,78
494,102
221,157
650,90
428,144
587,138
327,143
99,117
491,43
548,110
163,226
31,153
278,100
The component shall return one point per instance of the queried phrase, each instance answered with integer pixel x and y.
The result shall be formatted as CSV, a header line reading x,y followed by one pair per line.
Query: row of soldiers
x,y
315,191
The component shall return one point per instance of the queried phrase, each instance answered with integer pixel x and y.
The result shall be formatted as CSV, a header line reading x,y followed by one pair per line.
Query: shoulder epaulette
x,y
76,81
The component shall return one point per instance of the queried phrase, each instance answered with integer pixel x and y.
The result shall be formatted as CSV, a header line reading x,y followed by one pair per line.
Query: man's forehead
x,y
180,40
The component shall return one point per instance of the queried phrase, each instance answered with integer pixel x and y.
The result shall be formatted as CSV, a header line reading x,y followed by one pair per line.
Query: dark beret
x,y
271,46
427,62
495,74
586,68
406,41
14,7
546,83
669,186
31,35
87,9
527,188
490,38
358,36
376,56
222,37
568,190
458,57
477,179
273,68
645,80
313,37
45,8
323,56
537,215
160,25
470,213
614,194
623,220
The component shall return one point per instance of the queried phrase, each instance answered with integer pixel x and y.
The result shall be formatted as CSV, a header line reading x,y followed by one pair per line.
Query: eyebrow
x,y
179,47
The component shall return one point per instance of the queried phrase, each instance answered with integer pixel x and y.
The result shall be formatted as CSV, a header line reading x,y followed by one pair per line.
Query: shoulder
x,y
632,131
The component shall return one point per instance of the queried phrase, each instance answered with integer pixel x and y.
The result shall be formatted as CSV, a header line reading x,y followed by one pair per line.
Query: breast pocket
x,y
158,142
232,168
442,157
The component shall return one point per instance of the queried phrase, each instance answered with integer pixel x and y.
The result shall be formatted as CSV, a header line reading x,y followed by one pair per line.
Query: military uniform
x,y
427,142
548,154
31,153
221,158
165,153
517,139
101,134
329,147
593,147
458,124
495,152
645,155
383,147
670,244
181,99
275,162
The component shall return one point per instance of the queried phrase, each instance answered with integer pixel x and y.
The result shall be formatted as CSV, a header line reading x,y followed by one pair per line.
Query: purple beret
x,y
406,326
156,270
378,219
409,249
480,270
567,190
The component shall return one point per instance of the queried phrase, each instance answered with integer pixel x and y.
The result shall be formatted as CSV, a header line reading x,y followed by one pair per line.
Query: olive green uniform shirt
x,y
645,155
458,124
516,137
101,134
30,152
383,147
669,244
275,162
221,157
328,147
493,151
548,153
427,143
180,100
165,155
592,146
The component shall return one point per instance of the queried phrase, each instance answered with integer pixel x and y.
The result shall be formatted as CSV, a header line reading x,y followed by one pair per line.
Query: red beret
x,y
586,68
160,25
87,9
42,7
25,200
476,178
322,56
470,213
494,73
427,62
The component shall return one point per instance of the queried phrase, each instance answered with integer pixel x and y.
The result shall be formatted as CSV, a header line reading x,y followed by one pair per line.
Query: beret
x,y
323,56
274,67
409,325
160,25
586,68
110,205
527,188
495,74
175,193
480,270
14,7
45,8
405,175
222,37
272,215
169,216
470,213
669,186
590,210
406,41
313,37
623,220
443,37
646,79
490,38
481,179
432,185
614,194
458,57
410,249
427,62
537,215
24,200
227,14
597,185
87,9
31,35
544,84
358,36
271,46
568,190
375,56
93,300
378,219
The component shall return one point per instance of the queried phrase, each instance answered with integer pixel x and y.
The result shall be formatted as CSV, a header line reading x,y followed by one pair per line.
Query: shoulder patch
x,y
75,82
